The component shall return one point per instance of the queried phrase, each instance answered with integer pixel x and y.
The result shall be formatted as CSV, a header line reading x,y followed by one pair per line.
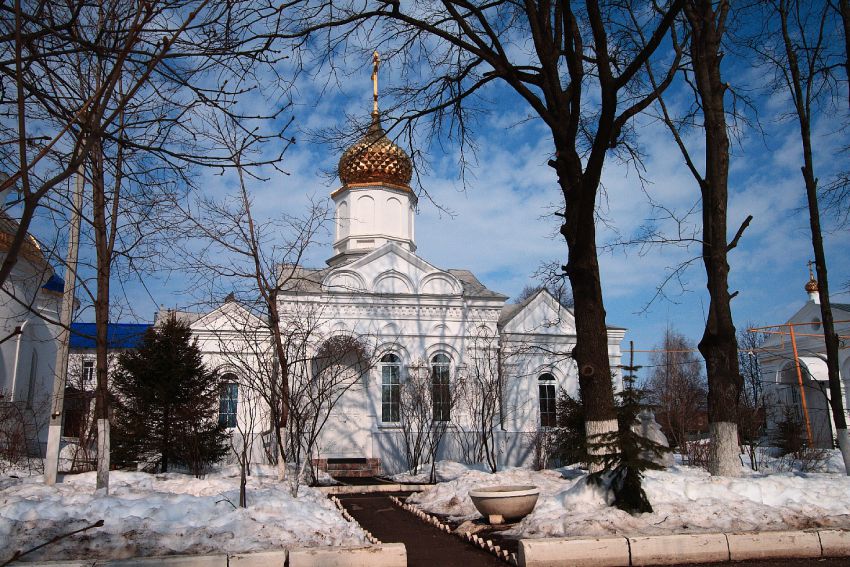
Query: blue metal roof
x,y
118,335
55,283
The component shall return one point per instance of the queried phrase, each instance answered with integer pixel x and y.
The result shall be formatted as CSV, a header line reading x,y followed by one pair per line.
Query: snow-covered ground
x,y
162,514
684,499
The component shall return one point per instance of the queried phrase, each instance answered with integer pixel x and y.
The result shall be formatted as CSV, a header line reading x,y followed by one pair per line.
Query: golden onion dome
x,y
375,159
812,285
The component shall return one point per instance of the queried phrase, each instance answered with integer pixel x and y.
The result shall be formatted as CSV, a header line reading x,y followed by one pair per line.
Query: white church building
x,y
414,315
794,371
29,300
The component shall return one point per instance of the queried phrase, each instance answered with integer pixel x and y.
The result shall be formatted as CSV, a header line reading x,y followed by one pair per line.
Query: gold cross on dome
x,y
811,263
376,61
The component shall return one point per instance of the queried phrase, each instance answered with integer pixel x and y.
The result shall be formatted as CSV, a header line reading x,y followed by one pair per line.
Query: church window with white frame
x,y
440,387
228,400
390,388
88,372
546,393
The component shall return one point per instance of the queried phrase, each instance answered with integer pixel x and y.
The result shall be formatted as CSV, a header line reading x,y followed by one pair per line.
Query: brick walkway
x,y
426,545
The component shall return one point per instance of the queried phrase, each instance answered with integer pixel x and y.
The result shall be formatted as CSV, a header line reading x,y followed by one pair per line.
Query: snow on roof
x,y
309,280
118,335
187,317
305,280
509,311
472,287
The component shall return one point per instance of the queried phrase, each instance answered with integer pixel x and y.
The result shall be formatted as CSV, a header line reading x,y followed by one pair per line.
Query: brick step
x,y
353,467
355,474
348,467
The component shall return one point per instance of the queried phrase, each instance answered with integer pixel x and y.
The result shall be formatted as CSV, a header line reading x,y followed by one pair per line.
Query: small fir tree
x,y
623,469
166,407
624,454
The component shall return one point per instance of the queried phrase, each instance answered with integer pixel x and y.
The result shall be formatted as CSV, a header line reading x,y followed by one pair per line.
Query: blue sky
x,y
500,224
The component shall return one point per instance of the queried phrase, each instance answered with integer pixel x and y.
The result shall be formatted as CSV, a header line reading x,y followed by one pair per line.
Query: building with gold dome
x,y
29,299
794,368
416,318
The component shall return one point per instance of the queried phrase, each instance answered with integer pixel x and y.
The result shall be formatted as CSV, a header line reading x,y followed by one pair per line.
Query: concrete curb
x,y
169,561
260,559
574,551
369,488
681,548
386,555
764,545
834,543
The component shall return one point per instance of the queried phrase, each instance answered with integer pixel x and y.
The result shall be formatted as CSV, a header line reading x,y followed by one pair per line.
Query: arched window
x,y
390,387
228,399
546,393
440,390
343,220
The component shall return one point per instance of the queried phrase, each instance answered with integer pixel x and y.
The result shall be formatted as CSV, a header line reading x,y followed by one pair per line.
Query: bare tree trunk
x,y
801,92
844,8
101,314
719,345
591,352
830,337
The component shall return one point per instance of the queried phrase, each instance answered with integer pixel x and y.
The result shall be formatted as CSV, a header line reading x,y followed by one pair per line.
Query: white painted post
x,y
54,431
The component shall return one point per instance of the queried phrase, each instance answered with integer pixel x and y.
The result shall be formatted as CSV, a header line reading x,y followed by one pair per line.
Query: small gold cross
x,y
376,61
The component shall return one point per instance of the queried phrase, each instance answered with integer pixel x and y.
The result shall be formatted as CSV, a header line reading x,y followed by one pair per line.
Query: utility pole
x,y
54,432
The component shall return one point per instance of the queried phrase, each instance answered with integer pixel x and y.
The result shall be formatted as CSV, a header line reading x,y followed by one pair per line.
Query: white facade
x,y
411,315
779,369
29,298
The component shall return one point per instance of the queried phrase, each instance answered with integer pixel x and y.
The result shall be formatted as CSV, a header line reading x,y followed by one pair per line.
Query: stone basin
x,y
504,503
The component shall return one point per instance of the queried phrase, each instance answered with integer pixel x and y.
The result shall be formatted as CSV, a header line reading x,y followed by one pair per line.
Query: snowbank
x,y
446,470
147,514
685,500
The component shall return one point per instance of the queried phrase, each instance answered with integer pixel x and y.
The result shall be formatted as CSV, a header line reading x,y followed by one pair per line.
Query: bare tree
x,y
752,414
321,370
126,89
576,56
676,387
843,9
338,365
557,287
705,29
245,422
288,355
21,423
480,401
799,46
167,54
427,400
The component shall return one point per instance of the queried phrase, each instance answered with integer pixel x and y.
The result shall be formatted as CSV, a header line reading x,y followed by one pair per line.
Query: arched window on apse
x,y
546,394
390,388
228,400
441,387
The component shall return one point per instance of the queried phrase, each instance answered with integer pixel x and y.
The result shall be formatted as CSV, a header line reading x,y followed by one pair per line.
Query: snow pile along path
x,y
165,514
684,499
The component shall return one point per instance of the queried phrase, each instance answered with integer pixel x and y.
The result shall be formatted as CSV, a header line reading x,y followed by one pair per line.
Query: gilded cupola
x,y
374,158
375,205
